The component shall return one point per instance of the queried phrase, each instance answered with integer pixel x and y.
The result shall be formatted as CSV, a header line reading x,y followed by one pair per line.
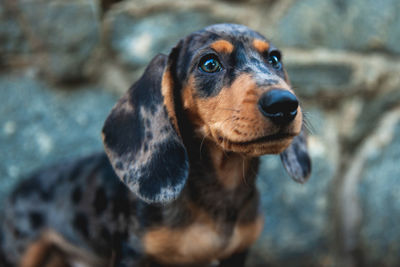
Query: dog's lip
x,y
264,139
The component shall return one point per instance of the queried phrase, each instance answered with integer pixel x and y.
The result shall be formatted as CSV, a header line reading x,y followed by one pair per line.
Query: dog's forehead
x,y
236,35
230,39
233,31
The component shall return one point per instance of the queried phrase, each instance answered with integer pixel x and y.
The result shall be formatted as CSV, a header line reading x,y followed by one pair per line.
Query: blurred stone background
x,y
63,64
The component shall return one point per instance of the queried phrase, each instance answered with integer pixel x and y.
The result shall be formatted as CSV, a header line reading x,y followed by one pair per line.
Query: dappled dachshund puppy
x,y
176,186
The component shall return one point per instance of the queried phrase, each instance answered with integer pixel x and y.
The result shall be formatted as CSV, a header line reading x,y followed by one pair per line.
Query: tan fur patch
x,y
35,254
230,112
56,251
167,90
232,119
195,243
231,168
200,242
189,104
245,235
222,46
260,45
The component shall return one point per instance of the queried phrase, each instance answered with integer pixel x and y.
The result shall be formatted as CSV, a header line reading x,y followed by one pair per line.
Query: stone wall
x,y
64,63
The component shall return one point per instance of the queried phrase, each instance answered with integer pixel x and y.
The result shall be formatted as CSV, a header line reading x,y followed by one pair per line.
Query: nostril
x,y
279,105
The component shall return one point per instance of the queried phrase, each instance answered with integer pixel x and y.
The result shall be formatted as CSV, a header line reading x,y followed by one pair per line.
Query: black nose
x,y
279,105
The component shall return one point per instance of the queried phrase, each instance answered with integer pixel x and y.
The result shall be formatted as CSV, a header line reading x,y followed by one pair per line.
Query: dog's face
x,y
229,84
235,90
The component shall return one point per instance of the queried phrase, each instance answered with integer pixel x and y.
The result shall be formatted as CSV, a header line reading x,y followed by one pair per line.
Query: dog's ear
x,y
296,159
142,139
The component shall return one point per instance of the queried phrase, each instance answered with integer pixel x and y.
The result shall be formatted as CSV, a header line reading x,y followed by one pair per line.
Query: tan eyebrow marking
x,y
222,46
260,45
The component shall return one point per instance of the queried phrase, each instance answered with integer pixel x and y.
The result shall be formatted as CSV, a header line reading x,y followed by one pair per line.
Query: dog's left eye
x,y
275,60
210,64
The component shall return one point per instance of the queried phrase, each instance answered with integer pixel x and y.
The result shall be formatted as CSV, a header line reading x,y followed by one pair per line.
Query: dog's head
x,y
229,83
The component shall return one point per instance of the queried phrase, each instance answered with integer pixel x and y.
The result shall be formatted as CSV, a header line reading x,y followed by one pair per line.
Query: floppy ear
x,y
142,140
296,159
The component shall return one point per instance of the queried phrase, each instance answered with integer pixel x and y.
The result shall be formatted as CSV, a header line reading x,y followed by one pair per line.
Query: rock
x,y
59,36
326,75
355,24
379,192
12,38
297,217
41,125
335,76
320,79
371,113
135,39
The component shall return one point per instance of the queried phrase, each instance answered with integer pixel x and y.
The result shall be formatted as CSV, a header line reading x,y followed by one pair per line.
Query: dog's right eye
x,y
275,60
210,64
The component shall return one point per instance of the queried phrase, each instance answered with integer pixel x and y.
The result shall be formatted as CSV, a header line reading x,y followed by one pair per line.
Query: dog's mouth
x,y
254,145
261,140
269,144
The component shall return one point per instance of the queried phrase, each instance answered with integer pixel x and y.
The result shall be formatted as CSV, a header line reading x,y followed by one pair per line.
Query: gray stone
x,y
355,24
380,202
59,35
371,113
40,125
320,79
297,217
135,40
12,39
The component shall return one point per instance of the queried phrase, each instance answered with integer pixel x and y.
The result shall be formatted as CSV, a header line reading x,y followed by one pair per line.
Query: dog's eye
x,y
210,64
275,60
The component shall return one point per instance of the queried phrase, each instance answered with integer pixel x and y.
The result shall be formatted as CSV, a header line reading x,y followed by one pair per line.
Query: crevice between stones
x,y
348,213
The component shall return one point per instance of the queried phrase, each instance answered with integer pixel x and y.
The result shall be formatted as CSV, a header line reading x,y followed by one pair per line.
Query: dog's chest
x,y
202,241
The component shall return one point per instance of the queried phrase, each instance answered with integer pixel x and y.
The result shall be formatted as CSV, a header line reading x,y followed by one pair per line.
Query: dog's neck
x,y
216,176
231,169
218,170
221,182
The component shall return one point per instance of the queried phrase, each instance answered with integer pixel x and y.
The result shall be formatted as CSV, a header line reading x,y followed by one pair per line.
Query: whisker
x,y
249,101
254,172
224,142
231,109
227,120
307,124
201,145
244,175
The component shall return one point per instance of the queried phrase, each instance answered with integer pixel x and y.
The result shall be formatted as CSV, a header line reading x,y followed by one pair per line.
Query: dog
x,y
176,186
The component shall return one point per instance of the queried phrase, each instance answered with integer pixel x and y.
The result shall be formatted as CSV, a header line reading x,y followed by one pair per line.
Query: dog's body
x,y
177,186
